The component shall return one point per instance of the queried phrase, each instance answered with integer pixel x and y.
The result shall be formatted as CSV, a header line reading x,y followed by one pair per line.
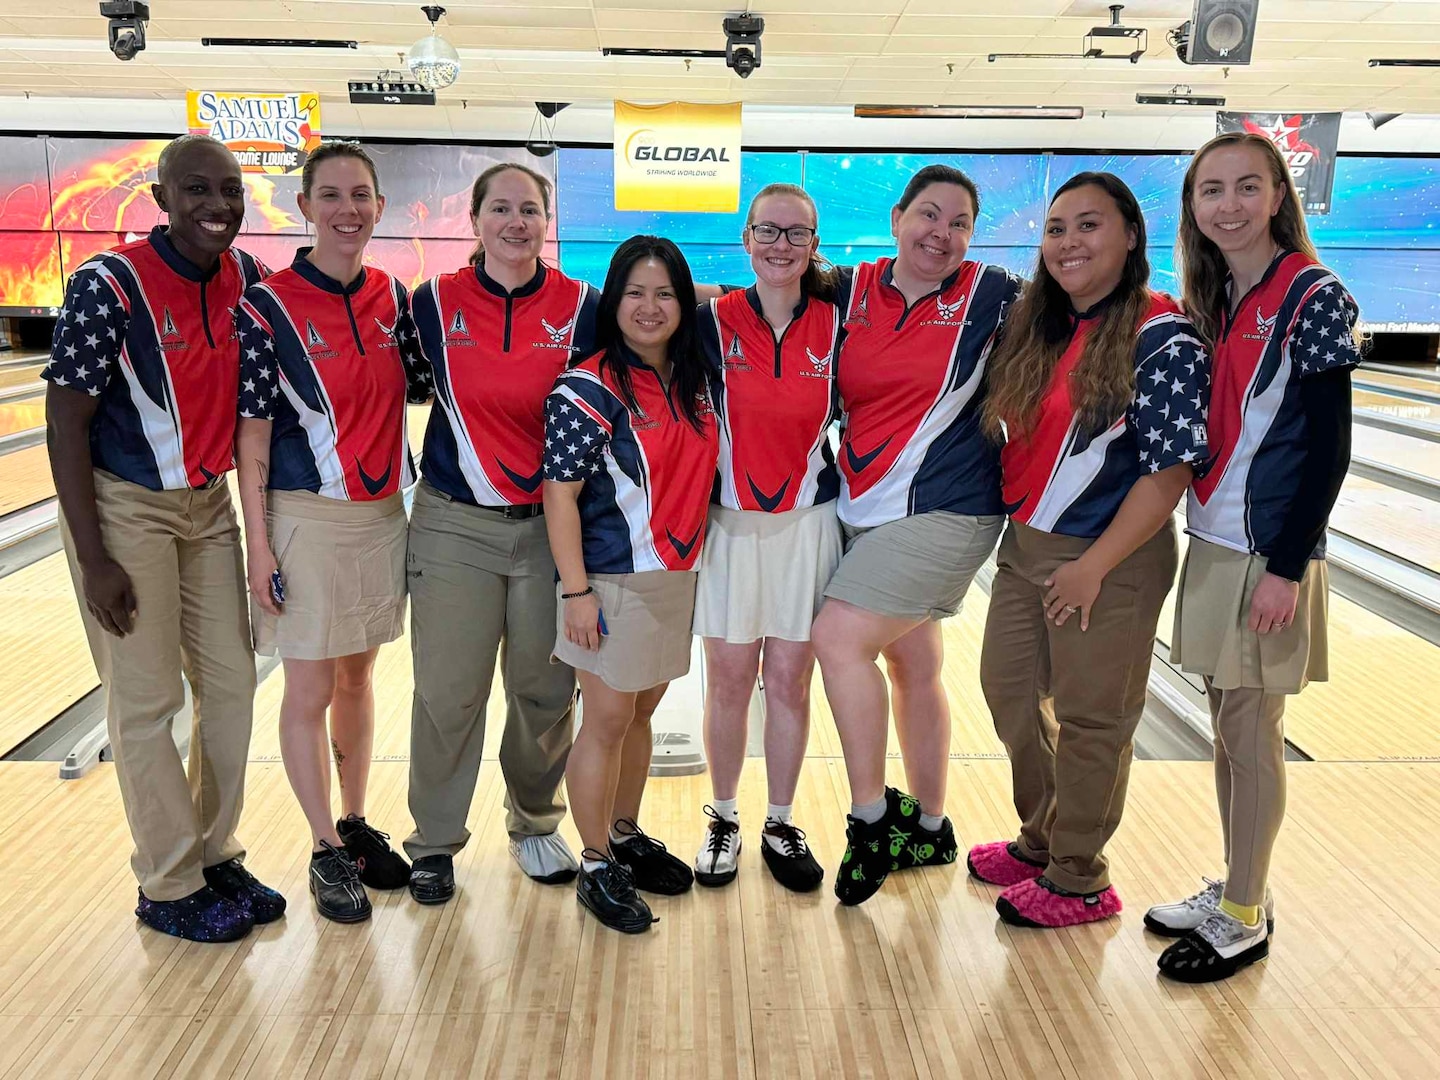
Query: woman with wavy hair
x,y
1100,389
1251,614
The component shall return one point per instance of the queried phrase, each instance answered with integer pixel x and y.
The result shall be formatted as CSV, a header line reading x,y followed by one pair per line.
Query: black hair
x,y
687,367
938,174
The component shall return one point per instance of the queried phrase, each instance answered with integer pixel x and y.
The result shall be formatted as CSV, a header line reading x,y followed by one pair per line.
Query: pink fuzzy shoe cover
x,y
1031,904
996,865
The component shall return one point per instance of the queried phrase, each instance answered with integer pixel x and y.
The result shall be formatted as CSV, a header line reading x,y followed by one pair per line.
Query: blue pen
x,y
604,630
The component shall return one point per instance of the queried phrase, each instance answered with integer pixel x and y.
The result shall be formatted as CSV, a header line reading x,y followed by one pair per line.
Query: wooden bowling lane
x,y
24,479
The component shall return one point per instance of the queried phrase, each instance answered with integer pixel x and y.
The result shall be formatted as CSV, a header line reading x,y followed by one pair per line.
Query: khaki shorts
x,y
917,567
344,568
1211,637
647,616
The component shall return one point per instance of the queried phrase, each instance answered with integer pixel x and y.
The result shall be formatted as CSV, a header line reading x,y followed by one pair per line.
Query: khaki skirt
x,y
344,568
918,567
1211,608
647,616
764,575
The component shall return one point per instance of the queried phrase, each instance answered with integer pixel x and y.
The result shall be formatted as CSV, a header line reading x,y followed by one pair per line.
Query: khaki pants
x,y
182,552
476,580
1249,783
1065,702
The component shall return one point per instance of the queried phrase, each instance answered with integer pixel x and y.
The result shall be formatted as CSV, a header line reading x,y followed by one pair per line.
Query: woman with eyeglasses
x,y
920,504
773,539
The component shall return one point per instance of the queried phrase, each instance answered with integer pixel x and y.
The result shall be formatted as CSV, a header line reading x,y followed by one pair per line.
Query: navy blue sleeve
x,y
576,431
582,343
419,377
89,332
259,377
1172,395
1324,338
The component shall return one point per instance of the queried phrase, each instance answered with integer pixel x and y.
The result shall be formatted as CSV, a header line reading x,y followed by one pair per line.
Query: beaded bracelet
x,y
576,595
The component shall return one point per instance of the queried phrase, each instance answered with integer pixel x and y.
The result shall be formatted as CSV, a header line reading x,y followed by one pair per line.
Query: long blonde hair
x,y
1038,331
1201,264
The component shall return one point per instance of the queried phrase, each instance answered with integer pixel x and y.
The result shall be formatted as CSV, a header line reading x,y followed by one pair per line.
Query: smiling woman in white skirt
x,y
326,351
629,462
774,539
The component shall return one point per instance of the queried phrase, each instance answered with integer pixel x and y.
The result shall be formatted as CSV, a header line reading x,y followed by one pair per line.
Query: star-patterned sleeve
x,y
259,375
419,375
575,434
88,334
1172,396
1324,335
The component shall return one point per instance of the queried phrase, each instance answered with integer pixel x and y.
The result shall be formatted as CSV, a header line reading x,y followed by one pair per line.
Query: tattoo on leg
x,y
339,760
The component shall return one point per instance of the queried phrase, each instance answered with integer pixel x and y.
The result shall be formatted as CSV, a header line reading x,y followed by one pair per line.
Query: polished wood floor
x,y
511,980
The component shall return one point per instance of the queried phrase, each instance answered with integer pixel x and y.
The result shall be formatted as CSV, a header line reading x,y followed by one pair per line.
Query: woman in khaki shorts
x,y
1252,606
920,502
630,449
325,347
773,541
1095,367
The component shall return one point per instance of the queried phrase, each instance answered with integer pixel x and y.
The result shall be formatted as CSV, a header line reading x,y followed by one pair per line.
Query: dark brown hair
x,y
481,186
338,149
937,174
818,281
1202,267
1039,329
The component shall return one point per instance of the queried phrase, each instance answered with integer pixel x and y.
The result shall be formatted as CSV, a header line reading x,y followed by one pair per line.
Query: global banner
x,y
1306,141
678,156
268,133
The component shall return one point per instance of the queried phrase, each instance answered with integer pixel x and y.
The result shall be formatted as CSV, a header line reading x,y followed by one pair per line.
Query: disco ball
x,y
433,62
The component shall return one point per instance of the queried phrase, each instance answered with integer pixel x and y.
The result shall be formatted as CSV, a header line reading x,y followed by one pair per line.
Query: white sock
x,y
616,838
591,865
729,809
931,822
869,812
779,813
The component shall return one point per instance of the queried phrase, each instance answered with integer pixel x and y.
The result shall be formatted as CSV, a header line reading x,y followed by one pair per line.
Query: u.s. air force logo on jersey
x,y
947,314
1264,327
559,335
819,366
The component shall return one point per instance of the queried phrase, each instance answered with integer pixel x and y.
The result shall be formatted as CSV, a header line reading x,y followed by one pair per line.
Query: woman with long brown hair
x,y
496,334
1100,390
1251,614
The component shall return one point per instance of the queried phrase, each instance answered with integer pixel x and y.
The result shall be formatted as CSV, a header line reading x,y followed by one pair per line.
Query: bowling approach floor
x,y
511,980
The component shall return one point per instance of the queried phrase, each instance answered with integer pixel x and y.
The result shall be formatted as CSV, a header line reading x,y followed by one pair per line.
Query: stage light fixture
x,y
742,43
126,27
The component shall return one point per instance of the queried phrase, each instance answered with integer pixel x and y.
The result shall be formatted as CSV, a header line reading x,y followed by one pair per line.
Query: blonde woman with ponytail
x,y
1100,390
1251,616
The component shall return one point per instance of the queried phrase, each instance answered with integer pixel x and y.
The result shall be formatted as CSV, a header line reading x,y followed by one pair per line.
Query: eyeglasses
x,y
798,235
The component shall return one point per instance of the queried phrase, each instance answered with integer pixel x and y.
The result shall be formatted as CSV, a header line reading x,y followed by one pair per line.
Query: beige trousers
x,y
1065,702
1249,784
480,584
182,552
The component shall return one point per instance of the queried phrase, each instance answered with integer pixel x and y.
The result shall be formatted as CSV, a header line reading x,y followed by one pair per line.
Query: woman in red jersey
x,y
773,541
495,334
920,503
630,450
1251,616
1100,388
325,350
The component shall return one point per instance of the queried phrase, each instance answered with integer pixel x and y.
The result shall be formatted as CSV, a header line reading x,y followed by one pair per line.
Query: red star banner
x,y
1306,141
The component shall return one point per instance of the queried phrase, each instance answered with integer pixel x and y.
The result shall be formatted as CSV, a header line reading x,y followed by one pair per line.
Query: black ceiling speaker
x,y
1221,32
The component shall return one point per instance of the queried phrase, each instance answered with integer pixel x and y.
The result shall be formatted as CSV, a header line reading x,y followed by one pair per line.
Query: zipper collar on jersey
x,y
494,288
321,280
887,277
1229,315
752,296
164,247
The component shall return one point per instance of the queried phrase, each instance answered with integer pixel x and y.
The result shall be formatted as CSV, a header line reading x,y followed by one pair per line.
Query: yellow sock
x,y
1250,916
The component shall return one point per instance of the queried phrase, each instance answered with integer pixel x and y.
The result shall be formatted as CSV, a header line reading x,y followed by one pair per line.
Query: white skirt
x,y
764,575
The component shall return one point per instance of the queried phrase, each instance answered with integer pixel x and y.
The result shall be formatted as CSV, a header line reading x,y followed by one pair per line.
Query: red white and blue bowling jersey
x,y
647,472
775,399
152,336
1296,323
327,364
495,356
911,380
1061,478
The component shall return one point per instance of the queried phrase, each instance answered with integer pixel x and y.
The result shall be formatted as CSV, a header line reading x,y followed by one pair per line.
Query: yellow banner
x,y
677,157
269,133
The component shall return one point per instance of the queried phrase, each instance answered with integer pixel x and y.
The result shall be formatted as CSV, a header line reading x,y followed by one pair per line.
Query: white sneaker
x,y
1183,916
716,864
546,859
1216,949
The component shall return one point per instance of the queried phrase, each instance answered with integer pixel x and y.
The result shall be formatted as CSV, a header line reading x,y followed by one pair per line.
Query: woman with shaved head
x,y
144,377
